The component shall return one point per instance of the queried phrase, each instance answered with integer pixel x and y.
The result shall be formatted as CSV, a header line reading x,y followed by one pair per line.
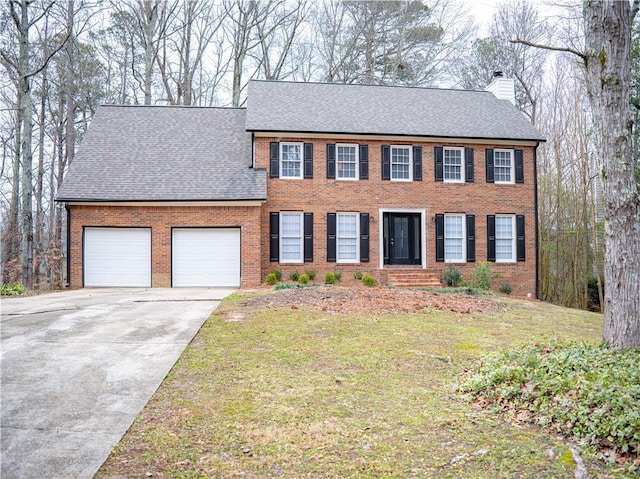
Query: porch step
x,y
421,278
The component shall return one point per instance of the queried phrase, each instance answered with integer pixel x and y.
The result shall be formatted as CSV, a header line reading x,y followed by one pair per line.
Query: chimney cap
x,y
498,74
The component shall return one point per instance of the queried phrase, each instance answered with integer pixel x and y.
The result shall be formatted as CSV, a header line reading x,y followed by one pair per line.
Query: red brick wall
x,y
320,195
161,219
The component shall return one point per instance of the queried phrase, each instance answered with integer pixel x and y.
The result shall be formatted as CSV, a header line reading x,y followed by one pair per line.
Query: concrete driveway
x,y
77,366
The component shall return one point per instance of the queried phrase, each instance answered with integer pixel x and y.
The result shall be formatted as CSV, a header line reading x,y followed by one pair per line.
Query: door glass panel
x,y
401,238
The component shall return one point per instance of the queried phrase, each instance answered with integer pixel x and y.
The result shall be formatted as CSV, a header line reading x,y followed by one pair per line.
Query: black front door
x,y
402,238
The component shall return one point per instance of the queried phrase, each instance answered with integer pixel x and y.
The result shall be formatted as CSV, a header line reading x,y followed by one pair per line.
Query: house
x,y
330,177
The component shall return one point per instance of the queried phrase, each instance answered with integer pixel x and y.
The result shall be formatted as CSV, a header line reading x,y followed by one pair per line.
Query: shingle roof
x,y
277,106
155,153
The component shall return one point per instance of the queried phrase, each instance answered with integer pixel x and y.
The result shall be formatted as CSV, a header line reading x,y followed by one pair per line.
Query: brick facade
x,y
480,198
161,219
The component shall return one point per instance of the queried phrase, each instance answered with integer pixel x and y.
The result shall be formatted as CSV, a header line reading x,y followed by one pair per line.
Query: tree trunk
x,y
608,34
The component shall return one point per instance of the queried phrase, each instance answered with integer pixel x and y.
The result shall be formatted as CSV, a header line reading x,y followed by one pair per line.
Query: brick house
x,y
388,181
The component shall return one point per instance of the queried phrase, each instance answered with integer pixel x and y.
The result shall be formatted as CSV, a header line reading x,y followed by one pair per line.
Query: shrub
x,y
357,275
452,277
588,392
506,288
593,298
481,277
294,275
311,274
330,278
271,279
12,289
369,280
303,278
278,274
338,275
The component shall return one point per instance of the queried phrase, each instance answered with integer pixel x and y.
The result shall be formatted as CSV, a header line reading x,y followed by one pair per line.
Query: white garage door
x,y
117,257
205,257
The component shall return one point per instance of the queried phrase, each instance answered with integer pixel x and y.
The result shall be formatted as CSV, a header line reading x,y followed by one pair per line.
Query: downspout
x,y
68,282
253,150
535,203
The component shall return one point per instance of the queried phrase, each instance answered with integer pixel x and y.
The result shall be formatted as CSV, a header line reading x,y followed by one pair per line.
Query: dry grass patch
x,y
265,390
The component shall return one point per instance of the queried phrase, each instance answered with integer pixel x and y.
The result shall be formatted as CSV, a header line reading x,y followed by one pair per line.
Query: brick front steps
x,y
423,278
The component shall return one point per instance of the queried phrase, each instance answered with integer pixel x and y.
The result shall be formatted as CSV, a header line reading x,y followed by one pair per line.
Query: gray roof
x,y
274,106
160,153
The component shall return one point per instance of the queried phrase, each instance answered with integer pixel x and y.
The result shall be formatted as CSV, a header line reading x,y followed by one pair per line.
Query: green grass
x,y
280,392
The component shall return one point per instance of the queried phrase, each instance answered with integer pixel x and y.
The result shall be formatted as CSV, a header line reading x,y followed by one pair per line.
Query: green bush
x,y
357,275
369,280
330,278
338,275
591,393
481,277
303,278
12,289
271,279
278,274
506,288
452,277
294,275
311,274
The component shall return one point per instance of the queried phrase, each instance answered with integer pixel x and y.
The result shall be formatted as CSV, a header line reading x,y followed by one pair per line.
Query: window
x,y
347,237
505,238
347,162
503,166
291,246
290,160
454,238
453,165
401,163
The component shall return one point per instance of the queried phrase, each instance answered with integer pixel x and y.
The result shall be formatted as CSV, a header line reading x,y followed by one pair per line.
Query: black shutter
x,y
417,163
520,246
471,238
274,235
274,159
331,161
308,237
364,162
488,155
491,238
331,237
438,155
519,166
308,160
439,237
386,162
364,237
468,163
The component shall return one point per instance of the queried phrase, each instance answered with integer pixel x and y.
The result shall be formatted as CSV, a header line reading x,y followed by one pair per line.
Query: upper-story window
x,y
290,160
503,166
453,165
347,162
401,163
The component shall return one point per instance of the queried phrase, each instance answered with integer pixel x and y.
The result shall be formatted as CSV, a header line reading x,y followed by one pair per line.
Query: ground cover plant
x,y
335,382
12,289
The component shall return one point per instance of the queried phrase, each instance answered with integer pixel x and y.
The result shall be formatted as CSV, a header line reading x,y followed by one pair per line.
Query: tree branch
x,y
527,43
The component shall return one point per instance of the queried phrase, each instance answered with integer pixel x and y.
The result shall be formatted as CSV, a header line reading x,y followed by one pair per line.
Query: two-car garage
x,y
200,257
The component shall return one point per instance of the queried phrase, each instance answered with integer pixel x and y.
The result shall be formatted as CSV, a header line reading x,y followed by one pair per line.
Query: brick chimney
x,y
503,88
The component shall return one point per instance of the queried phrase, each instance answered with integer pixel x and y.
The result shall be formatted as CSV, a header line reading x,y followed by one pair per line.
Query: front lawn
x,y
271,388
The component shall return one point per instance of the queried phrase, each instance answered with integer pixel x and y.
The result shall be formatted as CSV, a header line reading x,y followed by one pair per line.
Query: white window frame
x,y
357,238
299,145
512,167
463,241
444,165
512,259
391,163
300,216
355,149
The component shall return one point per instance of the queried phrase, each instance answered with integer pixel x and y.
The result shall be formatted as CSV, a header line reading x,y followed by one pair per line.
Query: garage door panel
x,y
206,257
117,257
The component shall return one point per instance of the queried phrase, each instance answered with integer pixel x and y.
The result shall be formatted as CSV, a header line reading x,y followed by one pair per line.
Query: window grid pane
x,y
454,237
290,237
504,238
346,161
291,160
347,237
502,166
452,165
400,163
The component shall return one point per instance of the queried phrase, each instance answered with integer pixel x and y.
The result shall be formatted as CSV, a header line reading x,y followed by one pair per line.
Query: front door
x,y
402,235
